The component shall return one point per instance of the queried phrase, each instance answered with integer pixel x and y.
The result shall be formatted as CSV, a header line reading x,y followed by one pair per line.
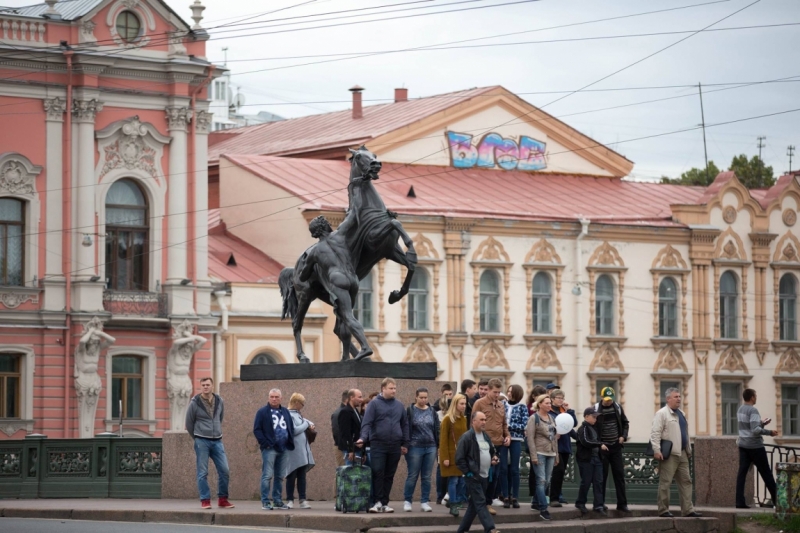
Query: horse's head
x,y
364,163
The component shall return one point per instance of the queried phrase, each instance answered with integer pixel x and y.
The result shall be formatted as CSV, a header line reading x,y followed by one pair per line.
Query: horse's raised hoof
x,y
394,297
301,358
363,354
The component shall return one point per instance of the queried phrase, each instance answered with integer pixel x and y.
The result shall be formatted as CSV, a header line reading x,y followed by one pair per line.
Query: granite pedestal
x,y
716,464
244,398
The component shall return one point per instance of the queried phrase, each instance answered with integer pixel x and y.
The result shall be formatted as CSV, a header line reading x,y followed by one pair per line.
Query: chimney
x,y
400,95
358,112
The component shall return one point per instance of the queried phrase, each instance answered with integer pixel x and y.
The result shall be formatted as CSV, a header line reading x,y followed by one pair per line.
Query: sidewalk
x,y
322,516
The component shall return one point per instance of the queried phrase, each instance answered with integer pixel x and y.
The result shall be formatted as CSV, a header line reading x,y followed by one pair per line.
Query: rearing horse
x,y
371,233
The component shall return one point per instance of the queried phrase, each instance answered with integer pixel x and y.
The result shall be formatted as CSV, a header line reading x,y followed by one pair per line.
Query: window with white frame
x,y
790,409
127,386
489,301
12,230
418,300
730,397
10,385
542,295
363,305
667,308
728,301
788,308
127,229
604,306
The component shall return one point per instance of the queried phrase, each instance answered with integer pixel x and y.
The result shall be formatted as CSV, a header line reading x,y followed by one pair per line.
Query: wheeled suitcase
x,y
353,487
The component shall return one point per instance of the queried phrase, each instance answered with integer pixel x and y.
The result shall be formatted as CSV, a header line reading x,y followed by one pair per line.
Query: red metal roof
x,y
331,130
230,259
446,191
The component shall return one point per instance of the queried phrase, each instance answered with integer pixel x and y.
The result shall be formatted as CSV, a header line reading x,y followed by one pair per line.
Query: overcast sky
x,y
743,55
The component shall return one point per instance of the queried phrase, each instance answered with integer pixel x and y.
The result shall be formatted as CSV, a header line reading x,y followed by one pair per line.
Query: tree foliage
x,y
751,172
696,176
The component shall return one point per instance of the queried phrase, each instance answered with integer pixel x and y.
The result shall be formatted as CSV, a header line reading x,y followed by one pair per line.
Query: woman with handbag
x,y
454,425
541,436
300,460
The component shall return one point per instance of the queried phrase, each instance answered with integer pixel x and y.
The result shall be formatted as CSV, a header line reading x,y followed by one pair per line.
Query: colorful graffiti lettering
x,y
495,150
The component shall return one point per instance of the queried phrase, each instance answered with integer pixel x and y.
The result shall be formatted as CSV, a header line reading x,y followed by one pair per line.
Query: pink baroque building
x,y
104,291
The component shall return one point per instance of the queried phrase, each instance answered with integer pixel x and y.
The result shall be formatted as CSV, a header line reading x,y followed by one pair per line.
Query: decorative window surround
x,y
426,255
407,336
18,180
145,14
787,372
420,352
606,260
27,367
670,263
492,363
729,254
543,363
730,369
612,340
784,260
543,257
532,339
149,362
669,366
490,254
607,365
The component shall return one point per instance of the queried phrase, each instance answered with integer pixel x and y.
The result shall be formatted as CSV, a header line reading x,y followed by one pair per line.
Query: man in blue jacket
x,y
274,431
385,430
559,406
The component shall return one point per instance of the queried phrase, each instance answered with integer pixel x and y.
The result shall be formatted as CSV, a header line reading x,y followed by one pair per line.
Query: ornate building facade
x,y
104,296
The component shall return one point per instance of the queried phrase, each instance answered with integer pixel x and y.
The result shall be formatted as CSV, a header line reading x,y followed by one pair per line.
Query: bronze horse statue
x,y
371,232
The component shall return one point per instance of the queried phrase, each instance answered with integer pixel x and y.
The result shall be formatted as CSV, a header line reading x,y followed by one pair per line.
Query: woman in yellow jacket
x,y
454,425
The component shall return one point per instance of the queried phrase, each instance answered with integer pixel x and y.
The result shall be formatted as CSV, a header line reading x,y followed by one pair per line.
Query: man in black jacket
x,y
350,426
335,428
612,426
589,463
475,457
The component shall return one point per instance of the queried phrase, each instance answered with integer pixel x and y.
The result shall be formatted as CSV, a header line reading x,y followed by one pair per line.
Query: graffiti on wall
x,y
494,150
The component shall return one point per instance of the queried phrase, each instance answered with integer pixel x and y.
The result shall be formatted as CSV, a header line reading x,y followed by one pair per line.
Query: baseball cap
x,y
589,411
607,393
551,386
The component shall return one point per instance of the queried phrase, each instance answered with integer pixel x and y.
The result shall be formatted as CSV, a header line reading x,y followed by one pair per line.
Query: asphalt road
x,y
32,525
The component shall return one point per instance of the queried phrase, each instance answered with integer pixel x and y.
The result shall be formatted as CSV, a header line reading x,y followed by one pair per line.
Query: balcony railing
x,y
775,454
133,303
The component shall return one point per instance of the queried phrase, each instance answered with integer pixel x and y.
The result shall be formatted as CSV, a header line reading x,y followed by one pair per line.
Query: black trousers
x,y
613,458
493,485
384,465
591,474
557,479
476,496
758,457
298,476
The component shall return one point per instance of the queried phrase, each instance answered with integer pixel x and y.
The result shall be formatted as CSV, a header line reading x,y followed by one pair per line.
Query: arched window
x,y
728,296
265,358
489,297
363,305
12,228
10,385
788,308
604,306
541,303
126,385
667,308
127,228
418,300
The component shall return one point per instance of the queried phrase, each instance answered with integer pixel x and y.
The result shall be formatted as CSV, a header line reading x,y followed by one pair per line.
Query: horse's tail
x,y
286,285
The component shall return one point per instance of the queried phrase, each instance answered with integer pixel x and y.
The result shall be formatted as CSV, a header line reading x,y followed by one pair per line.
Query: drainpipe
x,y
191,262
578,318
66,223
219,358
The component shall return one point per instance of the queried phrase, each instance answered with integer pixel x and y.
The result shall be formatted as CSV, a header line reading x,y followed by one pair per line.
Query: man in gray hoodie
x,y
385,429
204,423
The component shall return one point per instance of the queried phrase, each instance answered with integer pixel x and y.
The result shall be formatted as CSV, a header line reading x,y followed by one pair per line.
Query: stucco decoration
x,y
86,110
789,217
490,250
669,257
55,108
731,360
86,35
178,117
425,247
87,381
202,121
13,299
419,352
179,386
789,363
491,356
730,246
543,252
18,175
145,14
670,360
543,356
131,144
606,358
729,214
786,249
606,255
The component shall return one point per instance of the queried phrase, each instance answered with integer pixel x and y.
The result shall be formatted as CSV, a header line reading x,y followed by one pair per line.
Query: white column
x,y
177,118
53,283
200,219
84,113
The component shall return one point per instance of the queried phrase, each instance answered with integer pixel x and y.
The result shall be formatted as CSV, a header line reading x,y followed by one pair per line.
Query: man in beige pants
x,y
670,424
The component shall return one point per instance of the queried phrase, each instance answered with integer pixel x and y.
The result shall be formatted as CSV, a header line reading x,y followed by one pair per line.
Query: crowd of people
x,y
474,439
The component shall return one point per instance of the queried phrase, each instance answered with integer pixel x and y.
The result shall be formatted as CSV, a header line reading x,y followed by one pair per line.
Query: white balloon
x,y
564,423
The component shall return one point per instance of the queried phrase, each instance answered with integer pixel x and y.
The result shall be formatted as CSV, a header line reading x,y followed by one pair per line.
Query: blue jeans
x,y
543,471
211,448
273,465
420,462
509,470
457,489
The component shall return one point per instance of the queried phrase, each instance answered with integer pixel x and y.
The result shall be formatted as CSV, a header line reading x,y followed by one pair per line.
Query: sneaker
x,y
497,502
223,503
407,507
205,504
506,503
555,504
514,503
290,504
386,509
266,506
426,508
377,508
445,498
280,506
545,515
304,504
454,509
491,510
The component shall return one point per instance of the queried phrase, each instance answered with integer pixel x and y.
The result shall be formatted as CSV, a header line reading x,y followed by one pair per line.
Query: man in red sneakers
x,y
204,423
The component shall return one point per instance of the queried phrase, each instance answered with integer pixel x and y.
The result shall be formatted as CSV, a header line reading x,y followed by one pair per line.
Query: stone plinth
x,y
788,488
716,463
243,399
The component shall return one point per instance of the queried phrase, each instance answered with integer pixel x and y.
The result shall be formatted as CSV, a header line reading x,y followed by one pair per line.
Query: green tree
x,y
696,176
752,173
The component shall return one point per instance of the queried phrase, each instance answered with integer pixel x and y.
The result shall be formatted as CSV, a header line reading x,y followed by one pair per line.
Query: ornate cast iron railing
x,y
641,477
775,454
102,467
133,303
